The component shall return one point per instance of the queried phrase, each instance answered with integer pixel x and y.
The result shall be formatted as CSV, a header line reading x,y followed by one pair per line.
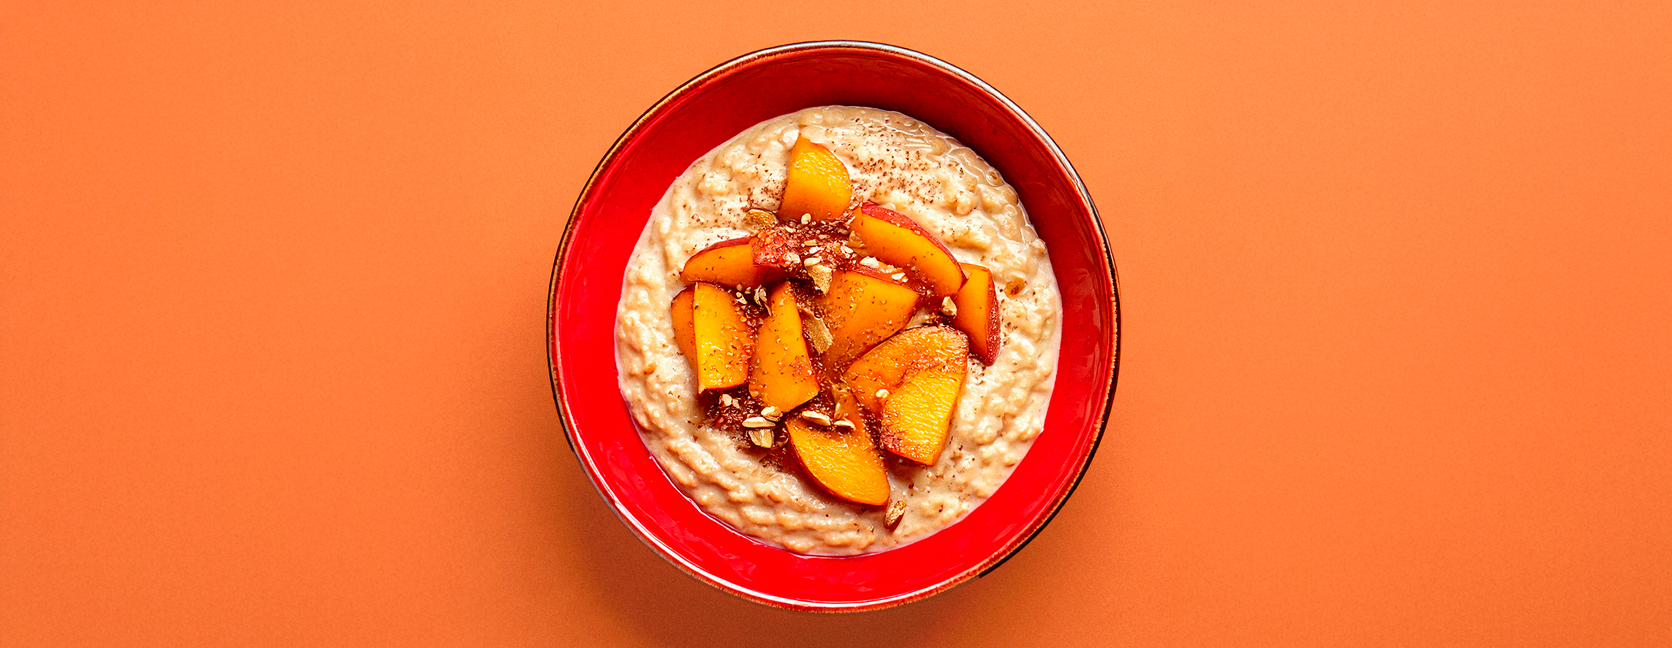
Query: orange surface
x,y
1398,355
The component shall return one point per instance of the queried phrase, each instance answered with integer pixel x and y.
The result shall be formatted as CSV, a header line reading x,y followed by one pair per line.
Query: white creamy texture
x,y
902,164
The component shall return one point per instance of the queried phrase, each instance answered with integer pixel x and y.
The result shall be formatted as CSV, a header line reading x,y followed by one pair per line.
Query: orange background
x,y
1398,354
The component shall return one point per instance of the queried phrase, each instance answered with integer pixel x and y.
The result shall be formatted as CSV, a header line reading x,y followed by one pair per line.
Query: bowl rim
x,y
554,352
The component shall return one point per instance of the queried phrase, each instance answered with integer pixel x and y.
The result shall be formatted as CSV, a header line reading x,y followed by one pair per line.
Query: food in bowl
x,y
838,331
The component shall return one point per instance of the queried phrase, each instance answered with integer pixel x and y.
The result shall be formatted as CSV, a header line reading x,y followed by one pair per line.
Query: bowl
x,y
611,212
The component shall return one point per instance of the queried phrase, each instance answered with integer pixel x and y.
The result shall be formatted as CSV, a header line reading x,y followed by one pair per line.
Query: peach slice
x,y
722,338
861,309
729,263
978,312
816,184
781,374
684,331
911,382
844,462
894,239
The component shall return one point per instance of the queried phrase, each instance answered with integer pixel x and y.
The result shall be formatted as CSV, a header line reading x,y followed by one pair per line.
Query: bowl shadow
x,y
674,609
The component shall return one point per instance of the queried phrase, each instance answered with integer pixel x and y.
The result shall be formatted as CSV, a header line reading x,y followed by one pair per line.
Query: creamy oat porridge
x,y
838,331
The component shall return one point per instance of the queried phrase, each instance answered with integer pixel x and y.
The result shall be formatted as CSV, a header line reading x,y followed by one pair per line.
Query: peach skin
x,y
894,239
729,263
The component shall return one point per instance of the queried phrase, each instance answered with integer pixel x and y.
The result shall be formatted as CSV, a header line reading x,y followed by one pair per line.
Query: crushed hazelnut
x,y
771,413
881,393
758,219
948,307
821,276
818,333
870,262
757,422
761,437
844,424
817,418
896,511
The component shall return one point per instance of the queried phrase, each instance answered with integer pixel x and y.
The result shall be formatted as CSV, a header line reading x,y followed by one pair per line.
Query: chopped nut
x,y
948,307
821,276
761,437
870,262
844,424
881,393
727,400
818,418
757,422
896,510
771,413
898,276
818,333
792,257
811,261
806,218
760,294
755,220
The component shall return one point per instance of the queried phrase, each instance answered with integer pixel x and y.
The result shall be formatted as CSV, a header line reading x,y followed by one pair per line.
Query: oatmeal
x,y
850,362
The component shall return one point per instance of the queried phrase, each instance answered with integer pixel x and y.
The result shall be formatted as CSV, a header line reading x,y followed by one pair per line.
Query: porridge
x,y
838,332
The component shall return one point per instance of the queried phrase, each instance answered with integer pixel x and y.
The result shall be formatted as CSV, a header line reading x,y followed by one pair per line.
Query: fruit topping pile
x,y
797,333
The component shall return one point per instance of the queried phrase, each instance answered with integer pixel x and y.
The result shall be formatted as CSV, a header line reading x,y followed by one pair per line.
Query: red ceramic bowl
x,y
613,209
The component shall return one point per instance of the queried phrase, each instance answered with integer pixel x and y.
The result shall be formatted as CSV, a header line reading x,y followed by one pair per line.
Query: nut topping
x,y
896,510
757,422
816,417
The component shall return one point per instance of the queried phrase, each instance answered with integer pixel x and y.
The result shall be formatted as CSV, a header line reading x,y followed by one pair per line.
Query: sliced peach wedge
x,y
684,330
781,374
714,334
911,382
841,460
816,184
977,313
860,309
729,263
894,239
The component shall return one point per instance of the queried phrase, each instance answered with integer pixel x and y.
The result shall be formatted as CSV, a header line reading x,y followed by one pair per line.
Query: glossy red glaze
x,y
613,209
